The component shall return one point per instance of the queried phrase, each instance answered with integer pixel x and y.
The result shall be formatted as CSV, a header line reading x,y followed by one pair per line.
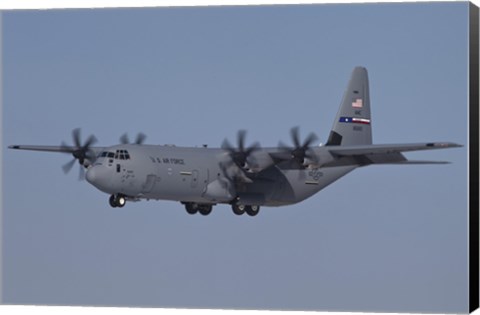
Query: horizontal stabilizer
x,y
388,148
383,153
422,162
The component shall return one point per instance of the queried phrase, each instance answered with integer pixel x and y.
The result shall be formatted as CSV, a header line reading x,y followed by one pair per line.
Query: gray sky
x,y
384,238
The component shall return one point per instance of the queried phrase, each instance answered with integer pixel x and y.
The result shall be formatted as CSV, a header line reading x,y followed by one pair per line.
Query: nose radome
x,y
99,177
91,176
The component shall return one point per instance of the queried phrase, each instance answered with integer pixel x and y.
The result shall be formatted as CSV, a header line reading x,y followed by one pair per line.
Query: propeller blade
x,y
140,138
124,139
224,168
81,173
68,166
310,139
282,146
90,155
241,140
226,145
91,140
294,133
76,137
310,154
254,147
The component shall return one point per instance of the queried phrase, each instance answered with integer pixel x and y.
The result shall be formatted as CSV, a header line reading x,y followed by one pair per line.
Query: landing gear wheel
x,y
111,201
191,208
205,209
252,210
117,201
238,209
120,201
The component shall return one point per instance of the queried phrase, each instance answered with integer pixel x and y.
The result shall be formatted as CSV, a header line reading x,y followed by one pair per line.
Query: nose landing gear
x,y
117,201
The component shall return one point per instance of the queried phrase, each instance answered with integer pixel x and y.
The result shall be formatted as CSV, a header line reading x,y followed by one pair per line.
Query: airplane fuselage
x,y
198,175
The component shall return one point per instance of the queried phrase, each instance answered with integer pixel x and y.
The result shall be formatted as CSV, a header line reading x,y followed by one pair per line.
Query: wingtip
x,y
14,147
444,145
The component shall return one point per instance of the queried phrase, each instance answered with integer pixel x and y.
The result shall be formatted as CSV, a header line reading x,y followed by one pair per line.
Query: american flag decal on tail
x,y
358,103
355,120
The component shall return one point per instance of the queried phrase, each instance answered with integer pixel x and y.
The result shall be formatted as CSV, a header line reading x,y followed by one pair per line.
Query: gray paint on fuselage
x,y
182,174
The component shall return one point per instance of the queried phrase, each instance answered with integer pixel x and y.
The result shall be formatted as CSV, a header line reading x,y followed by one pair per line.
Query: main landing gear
x,y
239,209
206,209
193,208
117,201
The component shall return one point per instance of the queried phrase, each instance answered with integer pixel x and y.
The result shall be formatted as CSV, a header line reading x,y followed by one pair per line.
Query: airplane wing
x,y
51,148
385,153
45,148
79,153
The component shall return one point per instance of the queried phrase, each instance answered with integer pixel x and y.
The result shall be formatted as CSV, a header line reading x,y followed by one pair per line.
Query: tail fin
x,y
352,126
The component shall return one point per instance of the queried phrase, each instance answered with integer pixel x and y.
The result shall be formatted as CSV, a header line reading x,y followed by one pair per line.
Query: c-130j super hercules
x,y
243,177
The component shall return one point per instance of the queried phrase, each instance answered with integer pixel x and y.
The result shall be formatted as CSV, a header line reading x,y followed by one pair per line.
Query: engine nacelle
x,y
258,161
309,163
322,157
87,163
219,190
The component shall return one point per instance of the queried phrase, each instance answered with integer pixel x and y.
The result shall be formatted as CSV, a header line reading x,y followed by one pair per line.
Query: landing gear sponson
x,y
206,209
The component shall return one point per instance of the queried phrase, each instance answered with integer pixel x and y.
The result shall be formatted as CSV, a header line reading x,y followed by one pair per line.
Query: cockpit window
x,y
119,155
122,155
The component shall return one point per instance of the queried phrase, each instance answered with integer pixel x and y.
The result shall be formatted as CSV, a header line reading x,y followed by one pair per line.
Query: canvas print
x,y
298,157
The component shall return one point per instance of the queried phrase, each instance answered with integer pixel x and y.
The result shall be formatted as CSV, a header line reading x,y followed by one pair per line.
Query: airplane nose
x,y
99,177
91,175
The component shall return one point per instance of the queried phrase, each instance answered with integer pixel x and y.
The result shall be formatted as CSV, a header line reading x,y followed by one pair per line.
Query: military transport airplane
x,y
245,177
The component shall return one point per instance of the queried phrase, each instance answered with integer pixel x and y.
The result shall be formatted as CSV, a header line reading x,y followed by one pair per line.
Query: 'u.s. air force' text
x,y
173,161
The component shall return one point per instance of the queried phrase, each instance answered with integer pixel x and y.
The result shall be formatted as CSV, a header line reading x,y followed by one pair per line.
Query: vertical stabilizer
x,y
352,126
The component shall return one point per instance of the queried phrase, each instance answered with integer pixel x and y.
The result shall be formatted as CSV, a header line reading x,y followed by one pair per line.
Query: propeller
x,y
240,154
80,152
300,151
138,140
